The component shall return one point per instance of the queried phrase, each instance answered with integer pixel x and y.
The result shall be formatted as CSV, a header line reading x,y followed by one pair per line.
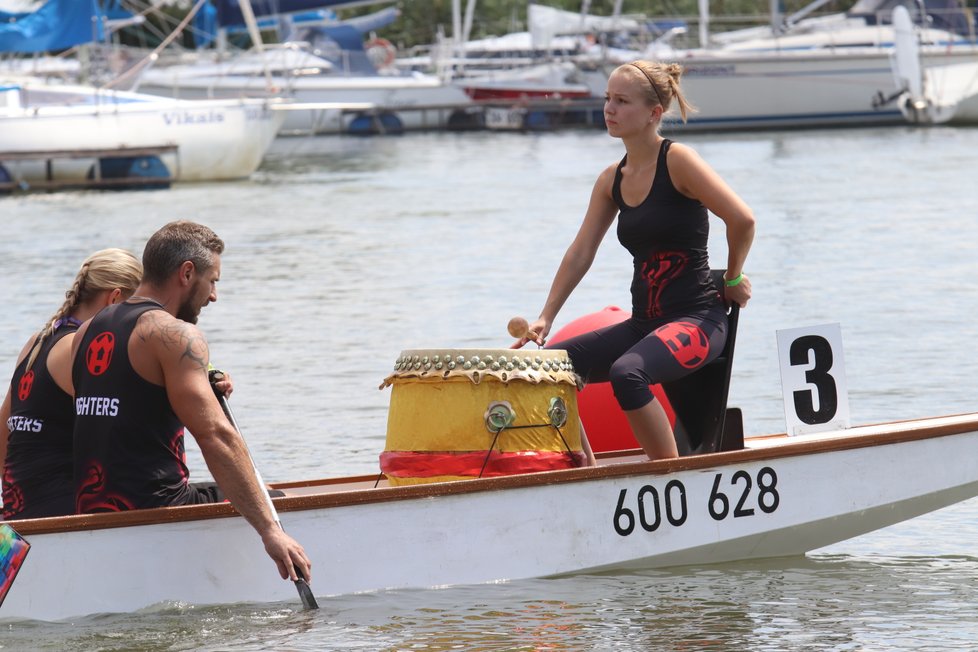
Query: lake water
x,y
342,251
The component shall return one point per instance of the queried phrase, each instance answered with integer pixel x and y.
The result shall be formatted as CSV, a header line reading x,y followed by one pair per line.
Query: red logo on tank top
x,y
25,385
99,353
687,342
91,495
659,271
13,497
178,450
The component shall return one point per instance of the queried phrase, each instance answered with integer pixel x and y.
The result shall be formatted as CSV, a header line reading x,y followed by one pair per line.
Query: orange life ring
x,y
380,51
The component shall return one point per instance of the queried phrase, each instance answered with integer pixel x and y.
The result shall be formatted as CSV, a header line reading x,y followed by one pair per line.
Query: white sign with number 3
x,y
813,379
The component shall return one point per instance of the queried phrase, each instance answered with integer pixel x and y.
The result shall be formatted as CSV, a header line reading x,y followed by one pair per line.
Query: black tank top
x,y
129,451
667,236
37,472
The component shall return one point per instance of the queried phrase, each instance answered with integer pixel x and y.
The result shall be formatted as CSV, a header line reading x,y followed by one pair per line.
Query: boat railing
x,y
726,30
10,98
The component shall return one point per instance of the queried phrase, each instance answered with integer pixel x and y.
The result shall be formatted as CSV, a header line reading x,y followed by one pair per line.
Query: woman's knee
x,y
630,384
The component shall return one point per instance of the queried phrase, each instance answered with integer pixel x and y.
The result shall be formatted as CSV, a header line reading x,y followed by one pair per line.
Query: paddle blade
x,y
13,550
305,594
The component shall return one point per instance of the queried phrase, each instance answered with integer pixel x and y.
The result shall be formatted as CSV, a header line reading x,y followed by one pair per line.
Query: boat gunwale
x,y
876,434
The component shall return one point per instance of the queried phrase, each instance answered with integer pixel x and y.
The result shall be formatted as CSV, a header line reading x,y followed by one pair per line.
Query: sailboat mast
x,y
249,17
704,7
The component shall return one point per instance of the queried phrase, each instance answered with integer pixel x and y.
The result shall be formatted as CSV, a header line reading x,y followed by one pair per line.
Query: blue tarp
x,y
229,11
205,25
114,10
207,21
57,25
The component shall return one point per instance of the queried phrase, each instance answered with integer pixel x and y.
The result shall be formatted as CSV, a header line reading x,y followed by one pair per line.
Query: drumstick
x,y
519,328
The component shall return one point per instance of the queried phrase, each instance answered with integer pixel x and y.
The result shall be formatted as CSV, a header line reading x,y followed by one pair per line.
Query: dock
x,y
522,114
119,167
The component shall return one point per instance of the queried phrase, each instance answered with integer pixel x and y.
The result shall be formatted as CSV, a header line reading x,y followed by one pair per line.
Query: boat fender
x,y
537,121
466,119
141,172
6,181
604,422
372,124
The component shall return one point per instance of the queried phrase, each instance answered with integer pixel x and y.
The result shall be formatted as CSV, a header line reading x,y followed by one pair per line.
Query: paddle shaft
x,y
305,593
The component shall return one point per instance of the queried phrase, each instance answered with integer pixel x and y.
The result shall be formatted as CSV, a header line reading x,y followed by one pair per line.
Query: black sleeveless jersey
x,y
129,451
37,477
667,236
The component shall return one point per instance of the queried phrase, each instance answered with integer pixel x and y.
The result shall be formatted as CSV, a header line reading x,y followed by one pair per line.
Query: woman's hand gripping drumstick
x,y
519,328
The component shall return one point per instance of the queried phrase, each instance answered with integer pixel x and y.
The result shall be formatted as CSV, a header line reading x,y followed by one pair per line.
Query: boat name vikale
x,y
189,117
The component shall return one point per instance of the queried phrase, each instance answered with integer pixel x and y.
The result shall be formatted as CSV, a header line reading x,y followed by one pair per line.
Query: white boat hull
x,y
780,496
950,95
419,102
830,87
213,140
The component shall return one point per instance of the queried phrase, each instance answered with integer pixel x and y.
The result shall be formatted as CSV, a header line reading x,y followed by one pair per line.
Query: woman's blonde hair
x,y
662,80
107,269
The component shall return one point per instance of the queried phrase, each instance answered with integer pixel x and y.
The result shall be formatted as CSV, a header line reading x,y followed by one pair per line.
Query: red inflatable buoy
x,y
605,424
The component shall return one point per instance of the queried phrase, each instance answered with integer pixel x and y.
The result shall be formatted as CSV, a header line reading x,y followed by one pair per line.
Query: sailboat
x,y
346,83
55,135
63,135
806,71
933,94
799,70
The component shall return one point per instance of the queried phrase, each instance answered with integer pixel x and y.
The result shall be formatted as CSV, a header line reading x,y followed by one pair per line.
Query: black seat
x,y
704,424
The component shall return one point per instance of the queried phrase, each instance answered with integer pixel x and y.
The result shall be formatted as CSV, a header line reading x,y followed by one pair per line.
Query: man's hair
x,y
176,243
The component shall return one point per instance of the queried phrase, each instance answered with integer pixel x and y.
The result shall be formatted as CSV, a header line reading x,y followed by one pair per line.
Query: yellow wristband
x,y
734,281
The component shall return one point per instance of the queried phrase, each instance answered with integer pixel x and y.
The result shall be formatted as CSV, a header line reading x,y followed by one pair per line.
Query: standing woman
x,y
661,192
38,413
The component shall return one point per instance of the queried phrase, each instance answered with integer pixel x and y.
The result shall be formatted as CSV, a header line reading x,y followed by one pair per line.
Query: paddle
x,y
305,593
13,550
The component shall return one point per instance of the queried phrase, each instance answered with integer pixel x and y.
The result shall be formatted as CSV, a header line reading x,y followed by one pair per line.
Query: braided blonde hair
x,y
107,269
663,81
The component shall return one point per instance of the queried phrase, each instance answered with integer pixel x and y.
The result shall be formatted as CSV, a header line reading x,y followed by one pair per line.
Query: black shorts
x,y
209,492
636,353
205,492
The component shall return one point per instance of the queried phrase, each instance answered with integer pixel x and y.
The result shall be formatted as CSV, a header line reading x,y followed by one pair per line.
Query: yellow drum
x,y
462,414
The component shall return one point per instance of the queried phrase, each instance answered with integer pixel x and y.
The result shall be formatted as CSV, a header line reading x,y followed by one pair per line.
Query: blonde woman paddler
x,y
38,413
661,193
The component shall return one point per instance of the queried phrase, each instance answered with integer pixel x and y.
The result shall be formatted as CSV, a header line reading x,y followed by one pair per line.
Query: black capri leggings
x,y
638,352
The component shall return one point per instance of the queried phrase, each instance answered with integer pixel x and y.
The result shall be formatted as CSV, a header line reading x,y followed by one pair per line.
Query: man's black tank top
x,y
129,451
37,478
667,237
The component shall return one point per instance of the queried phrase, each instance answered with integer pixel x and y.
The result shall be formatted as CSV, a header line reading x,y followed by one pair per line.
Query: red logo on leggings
x,y
687,342
99,353
25,385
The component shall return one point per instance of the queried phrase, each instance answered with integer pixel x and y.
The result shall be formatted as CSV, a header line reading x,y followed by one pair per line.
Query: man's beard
x,y
187,312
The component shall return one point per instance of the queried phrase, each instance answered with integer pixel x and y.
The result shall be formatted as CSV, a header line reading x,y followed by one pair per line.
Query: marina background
x,y
343,251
